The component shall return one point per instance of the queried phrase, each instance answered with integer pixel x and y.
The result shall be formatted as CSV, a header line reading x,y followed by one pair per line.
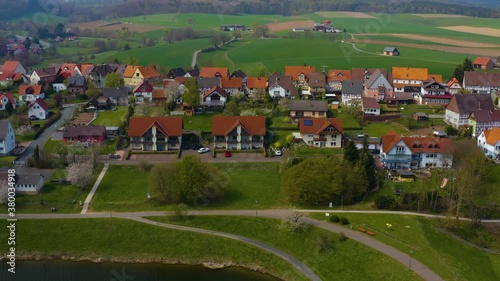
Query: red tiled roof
x,y
370,103
492,136
159,94
149,72
170,126
129,71
417,144
339,74
214,72
224,125
436,77
482,60
37,89
234,82
145,83
295,71
215,89
318,125
9,96
453,81
10,66
410,73
41,103
256,82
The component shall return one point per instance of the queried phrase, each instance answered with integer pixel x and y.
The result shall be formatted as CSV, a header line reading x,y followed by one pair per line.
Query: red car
x,y
227,154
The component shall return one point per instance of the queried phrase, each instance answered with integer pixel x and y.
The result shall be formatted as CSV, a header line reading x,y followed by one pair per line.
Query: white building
x,y
7,137
320,132
489,142
38,110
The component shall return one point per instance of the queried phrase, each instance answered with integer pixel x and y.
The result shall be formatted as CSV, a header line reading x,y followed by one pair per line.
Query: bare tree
x,y
80,174
294,221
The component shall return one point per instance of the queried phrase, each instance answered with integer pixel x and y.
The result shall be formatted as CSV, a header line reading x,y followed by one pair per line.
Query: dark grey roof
x,y
309,105
432,82
177,72
485,116
239,73
390,49
466,104
208,82
76,81
368,83
73,131
115,92
352,87
285,82
4,126
24,179
194,72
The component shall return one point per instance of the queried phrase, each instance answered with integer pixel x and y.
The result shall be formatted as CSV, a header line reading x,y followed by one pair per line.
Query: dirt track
x,y
117,27
475,30
439,16
441,40
290,25
451,49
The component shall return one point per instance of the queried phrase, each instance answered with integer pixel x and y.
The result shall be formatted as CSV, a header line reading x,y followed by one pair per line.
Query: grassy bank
x,y
341,260
128,240
446,256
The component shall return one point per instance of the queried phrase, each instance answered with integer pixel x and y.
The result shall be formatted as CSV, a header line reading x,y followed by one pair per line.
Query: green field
x,y
449,258
197,122
134,241
343,260
124,188
111,117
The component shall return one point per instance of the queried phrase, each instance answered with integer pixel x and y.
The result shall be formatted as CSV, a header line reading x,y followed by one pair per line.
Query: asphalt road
x,y
67,113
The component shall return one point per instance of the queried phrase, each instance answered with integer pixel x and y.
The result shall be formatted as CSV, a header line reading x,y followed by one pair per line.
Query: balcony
x,y
396,158
320,139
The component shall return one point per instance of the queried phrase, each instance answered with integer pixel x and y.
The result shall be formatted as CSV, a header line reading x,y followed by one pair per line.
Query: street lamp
x,y
409,264
256,207
110,210
342,203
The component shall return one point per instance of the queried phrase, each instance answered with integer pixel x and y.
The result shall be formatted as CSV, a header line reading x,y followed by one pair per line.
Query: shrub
x,y
384,202
344,221
334,218
342,237
325,241
145,166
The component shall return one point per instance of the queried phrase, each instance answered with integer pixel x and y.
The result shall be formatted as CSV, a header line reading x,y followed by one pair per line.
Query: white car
x,y
203,150
277,152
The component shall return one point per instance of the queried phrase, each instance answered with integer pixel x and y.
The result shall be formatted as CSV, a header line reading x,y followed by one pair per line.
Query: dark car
x,y
197,146
185,146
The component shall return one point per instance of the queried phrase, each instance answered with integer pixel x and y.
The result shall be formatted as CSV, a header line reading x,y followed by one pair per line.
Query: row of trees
x,y
179,34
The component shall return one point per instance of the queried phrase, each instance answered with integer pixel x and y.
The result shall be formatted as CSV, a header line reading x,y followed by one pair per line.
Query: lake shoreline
x,y
127,260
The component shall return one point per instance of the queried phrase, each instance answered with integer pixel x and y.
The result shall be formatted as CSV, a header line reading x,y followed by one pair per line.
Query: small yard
x,y
199,122
316,152
111,117
348,121
6,161
51,145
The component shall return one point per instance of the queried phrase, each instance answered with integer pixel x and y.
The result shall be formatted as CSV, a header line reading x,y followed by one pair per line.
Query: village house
x,y
378,87
363,74
29,93
12,67
84,134
232,85
98,74
373,143
403,98
482,82
176,72
208,72
454,86
435,93
160,96
192,73
334,81
5,98
400,152
489,142
370,106
483,63
38,110
307,109
238,73
8,79
77,85
155,133
58,84
215,96
461,106
84,69
99,103
255,84
238,132
7,137
299,75
117,95
481,120
133,75
352,91
321,132
143,92
317,84
391,51
43,76
205,84
405,79
25,183
281,87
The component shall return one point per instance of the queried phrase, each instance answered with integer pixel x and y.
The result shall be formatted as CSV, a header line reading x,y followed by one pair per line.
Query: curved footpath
x,y
423,271
289,258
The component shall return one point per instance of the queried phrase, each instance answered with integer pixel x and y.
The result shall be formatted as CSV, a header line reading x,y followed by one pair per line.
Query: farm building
x,y
232,27
391,51
483,63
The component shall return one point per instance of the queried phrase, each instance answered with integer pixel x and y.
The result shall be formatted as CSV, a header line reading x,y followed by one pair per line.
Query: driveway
x,y
67,113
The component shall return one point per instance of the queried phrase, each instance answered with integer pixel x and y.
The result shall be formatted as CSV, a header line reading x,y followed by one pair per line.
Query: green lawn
x,y
199,122
124,188
316,152
132,240
348,121
490,191
6,161
65,198
51,145
376,129
347,260
449,258
111,117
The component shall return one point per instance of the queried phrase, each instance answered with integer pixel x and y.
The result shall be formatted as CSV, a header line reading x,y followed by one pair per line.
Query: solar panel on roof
x,y
308,122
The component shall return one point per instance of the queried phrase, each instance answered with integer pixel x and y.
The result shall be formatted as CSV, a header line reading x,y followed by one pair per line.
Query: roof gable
x,y
30,89
482,60
319,125
223,125
41,103
213,90
214,72
410,73
256,82
296,71
492,136
170,126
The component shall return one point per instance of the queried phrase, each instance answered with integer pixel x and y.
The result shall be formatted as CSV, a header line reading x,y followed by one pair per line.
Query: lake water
x,y
86,271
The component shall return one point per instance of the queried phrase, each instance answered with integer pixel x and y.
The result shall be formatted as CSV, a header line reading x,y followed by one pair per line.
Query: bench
x,y
370,233
362,229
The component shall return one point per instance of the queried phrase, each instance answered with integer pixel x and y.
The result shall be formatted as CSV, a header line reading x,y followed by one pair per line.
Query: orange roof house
x,y
339,74
12,66
256,83
299,72
492,137
225,125
167,125
134,74
483,63
321,132
232,85
410,73
222,72
318,125
436,77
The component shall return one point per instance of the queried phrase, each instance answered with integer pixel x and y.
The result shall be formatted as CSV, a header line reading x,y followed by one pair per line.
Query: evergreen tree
x,y
36,155
351,153
368,162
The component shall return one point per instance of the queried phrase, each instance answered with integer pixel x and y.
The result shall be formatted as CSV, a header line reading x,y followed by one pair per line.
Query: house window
x,y
311,136
333,144
309,142
276,93
137,75
330,129
400,149
95,138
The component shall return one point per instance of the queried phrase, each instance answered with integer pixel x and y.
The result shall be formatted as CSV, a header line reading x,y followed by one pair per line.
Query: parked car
x,y
197,146
277,152
185,146
227,154
203,150
33,118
